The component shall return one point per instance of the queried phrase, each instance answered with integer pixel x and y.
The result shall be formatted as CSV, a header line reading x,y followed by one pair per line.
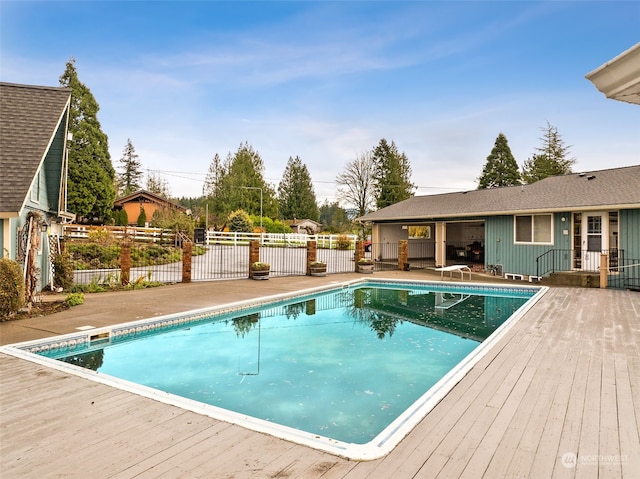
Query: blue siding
x,y
500,247
629,235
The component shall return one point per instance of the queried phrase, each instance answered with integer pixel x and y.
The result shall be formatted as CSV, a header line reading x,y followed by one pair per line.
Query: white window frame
x,y
35,190
533,231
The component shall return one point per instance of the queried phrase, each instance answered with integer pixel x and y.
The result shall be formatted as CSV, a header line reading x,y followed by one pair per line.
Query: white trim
x,y
532,242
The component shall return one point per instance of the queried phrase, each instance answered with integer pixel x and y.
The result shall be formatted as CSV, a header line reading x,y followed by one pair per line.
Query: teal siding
x,y
500,247
629,234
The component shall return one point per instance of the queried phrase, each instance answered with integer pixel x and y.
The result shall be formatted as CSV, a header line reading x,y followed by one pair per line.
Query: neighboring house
x,y
33,173
566,220
305,226
134,203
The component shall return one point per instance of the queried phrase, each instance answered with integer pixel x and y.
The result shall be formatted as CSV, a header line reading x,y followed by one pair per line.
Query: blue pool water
x,y
342,364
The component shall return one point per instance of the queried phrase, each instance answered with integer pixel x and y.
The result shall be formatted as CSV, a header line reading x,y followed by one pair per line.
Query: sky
x,y
326,81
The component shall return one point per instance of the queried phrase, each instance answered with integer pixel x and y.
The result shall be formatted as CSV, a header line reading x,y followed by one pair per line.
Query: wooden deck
x,y
558,396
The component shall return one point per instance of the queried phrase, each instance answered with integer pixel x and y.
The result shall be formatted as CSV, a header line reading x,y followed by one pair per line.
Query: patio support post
x,y
604,271
187,255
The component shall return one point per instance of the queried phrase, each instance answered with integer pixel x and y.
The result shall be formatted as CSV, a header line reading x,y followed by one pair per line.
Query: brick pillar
x,y
312,254
187,254
254,254
403,255
359,253
125,263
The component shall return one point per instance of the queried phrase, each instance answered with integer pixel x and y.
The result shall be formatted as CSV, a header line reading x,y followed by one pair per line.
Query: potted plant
x,y
260,270
318,268
365,265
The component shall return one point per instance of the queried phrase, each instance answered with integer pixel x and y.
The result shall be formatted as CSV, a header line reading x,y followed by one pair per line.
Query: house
x,y
33,174
140,200
305,226
560,223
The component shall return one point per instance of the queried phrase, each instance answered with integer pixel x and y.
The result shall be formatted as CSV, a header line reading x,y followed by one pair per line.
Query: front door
x,y
594,239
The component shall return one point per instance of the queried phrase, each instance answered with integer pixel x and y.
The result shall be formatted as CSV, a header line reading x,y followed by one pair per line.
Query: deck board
x,y
564,379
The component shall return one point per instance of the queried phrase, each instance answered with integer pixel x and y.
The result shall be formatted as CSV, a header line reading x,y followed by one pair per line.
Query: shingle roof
x,y
617,188
153,197
29,117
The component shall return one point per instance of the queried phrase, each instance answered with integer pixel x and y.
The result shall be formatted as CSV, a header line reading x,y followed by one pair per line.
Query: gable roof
x,y
29,118
617,188
141,195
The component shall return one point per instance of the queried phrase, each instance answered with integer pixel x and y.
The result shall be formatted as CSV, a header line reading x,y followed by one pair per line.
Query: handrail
x,y
555,260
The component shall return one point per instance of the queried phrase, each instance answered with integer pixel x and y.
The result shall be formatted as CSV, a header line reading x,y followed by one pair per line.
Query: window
x,y
533,229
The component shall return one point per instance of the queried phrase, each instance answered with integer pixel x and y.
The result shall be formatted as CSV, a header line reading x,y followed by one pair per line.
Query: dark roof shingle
x,y
613,188
29,117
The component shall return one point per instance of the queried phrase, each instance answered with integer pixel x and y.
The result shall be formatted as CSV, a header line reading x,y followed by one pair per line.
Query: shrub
x,y
12,291
62,270
239,221
142,218
260,266
101,236
74,299
343,242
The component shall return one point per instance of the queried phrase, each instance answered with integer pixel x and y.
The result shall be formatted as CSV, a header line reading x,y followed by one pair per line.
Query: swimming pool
x,y
349,370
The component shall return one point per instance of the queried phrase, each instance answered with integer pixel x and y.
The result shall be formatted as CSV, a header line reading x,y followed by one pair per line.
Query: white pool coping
x,y
380,446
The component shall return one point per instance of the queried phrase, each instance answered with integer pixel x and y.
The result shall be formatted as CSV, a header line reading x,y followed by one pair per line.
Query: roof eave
x,y
562,209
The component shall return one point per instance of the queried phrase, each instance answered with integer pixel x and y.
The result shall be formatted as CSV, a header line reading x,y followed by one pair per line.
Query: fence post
x,y
604,270
187,250
359,253
403,255
125,263
254,254
312,251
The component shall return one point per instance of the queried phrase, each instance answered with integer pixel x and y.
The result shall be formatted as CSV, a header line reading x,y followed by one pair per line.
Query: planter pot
x,y
260,274
321,271
365,268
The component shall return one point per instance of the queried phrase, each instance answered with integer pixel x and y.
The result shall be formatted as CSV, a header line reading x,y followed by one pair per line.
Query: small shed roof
x,y
616,188
29,118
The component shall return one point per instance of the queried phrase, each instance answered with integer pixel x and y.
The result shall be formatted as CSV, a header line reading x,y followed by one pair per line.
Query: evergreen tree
x,y
130,172
239,221
142,217
501,168
334,218
551,158
392,174
91,181
296,197
238,183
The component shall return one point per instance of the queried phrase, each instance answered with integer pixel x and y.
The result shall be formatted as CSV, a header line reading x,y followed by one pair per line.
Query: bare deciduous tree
x,y
355,184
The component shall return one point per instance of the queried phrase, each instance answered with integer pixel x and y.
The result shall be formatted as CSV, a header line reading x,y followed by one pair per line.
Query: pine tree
x,y
550,160
501,168
91,185
392,174
238,183
130,172
296,197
